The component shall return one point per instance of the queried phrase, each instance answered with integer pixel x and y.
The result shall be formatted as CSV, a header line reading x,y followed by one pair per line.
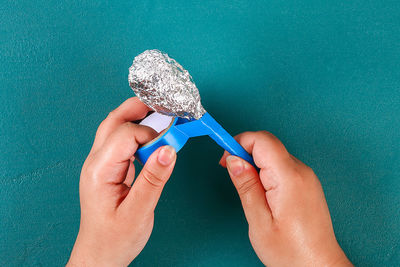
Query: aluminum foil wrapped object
x,y
164,85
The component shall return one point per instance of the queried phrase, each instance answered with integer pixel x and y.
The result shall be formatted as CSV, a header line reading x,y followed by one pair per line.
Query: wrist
x,y
85,254
336,258
341,261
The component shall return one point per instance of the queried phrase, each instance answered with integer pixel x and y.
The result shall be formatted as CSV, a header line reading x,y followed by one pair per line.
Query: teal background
x,y
323,76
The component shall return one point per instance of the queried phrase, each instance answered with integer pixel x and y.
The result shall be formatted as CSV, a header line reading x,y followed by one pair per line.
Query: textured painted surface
x,y
322,76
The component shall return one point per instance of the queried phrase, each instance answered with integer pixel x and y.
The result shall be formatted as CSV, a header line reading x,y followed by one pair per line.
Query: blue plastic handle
x,y
182,129
224,139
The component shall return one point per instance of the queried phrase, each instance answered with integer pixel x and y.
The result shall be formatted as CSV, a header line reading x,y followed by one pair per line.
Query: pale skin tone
x,y
284,204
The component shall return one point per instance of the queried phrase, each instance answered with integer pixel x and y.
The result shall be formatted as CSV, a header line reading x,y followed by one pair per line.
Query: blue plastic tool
x,y
181,130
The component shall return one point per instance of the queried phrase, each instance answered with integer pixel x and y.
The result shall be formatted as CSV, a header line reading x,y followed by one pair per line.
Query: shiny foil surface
x,y
164,85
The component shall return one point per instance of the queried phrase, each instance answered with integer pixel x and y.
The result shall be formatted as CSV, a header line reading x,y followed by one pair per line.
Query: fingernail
x,y
166,155
235,165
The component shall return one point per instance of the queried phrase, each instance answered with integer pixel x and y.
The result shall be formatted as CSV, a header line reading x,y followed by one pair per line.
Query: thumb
x,y
146,190
251,191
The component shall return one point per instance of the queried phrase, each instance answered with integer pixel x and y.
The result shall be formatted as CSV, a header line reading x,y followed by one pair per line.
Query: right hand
x,y
284,204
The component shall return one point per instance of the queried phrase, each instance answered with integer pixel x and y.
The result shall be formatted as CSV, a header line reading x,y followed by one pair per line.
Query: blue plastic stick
x,y
182,129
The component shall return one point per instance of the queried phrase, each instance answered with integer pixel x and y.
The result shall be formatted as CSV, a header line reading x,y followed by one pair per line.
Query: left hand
x,y
117,218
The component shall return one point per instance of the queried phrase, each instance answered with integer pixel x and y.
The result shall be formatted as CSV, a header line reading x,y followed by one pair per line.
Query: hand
x,y
284,204
117,218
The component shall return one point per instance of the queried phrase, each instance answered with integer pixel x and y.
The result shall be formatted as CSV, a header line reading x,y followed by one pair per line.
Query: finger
x,y
265,148
250,190
146,190
113,158
130,175
132,109
222,161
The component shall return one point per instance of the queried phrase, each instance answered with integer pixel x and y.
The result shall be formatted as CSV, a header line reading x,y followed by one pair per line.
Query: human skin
x,y
117,218
284,204
289,221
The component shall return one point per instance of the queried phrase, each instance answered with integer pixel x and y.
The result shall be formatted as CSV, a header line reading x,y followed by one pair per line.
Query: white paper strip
x,y
157,121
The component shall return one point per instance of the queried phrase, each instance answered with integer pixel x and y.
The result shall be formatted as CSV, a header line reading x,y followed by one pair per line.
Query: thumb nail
x,y
235,165
166,155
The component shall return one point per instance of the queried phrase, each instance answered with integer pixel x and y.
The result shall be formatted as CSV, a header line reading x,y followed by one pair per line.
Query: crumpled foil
x,y
164,85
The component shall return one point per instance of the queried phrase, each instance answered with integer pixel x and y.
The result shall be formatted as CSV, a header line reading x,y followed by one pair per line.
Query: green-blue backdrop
x,y
323,76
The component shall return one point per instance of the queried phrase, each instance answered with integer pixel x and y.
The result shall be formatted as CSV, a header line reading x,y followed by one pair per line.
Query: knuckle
x,y
304,169
273,143
101,126
111,114
297,173
253,234
247,186
128,126
264,132
308,171
154,180
268,135
244,135
90,169
303,176
257,233
88,166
